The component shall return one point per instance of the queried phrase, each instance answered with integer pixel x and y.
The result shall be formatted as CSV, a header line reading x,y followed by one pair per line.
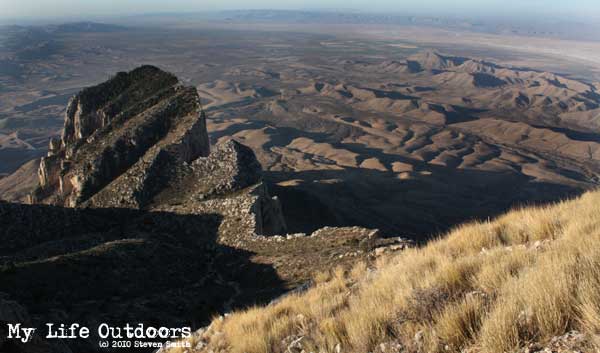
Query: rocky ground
x,y
148,224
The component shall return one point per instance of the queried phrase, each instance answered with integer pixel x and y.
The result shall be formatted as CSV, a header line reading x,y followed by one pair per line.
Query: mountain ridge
x,y
150,224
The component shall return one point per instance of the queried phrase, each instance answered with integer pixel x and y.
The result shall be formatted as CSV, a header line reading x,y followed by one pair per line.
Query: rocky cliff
x,y
136,220
134,120
139,141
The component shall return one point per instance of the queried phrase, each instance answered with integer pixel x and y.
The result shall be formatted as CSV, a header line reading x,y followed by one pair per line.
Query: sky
x,y
16,9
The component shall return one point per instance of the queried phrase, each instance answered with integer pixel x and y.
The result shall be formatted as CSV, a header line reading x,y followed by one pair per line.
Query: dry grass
x,y
494,286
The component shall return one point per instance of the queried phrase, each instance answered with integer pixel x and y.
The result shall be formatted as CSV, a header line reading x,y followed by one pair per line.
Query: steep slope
x,y
14,149
136,220
527,281
136,116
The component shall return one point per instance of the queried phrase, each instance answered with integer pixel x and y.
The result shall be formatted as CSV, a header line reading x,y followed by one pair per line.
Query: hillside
x,y
137,218
376,140
527,281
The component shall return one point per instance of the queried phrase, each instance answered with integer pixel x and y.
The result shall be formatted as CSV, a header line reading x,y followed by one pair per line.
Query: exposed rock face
x,y
131,190
139,141
143,115
232,170
95,107
229,168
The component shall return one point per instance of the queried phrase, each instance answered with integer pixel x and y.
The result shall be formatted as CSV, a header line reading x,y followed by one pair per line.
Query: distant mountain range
x,y
566,29
39,42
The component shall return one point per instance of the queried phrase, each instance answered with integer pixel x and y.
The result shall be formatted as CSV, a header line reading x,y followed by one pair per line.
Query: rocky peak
x,y
94,107
432,60
139,141
112,126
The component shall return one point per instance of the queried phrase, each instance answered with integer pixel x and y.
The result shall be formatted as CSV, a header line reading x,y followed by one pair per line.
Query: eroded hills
x,y
416,144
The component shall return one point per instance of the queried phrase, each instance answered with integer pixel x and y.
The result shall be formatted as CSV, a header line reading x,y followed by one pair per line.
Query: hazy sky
x,y
83,8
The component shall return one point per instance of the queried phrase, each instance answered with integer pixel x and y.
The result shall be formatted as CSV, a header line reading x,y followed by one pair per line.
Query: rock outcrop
x,y
140,141
135,119
232,170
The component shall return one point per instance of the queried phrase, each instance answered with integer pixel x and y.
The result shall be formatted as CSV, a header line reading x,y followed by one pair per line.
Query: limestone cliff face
x,y
139,141
95,107
109,127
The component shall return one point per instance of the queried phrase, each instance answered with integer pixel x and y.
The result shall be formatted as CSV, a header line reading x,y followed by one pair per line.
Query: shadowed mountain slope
x,y
136,219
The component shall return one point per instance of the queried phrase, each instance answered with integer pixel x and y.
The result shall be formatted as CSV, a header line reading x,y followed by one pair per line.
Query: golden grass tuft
x,y
490,286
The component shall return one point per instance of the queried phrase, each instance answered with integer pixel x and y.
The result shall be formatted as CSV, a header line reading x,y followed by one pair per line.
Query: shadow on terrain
x,y
420,207
13,159
124,266
431,200
572,134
